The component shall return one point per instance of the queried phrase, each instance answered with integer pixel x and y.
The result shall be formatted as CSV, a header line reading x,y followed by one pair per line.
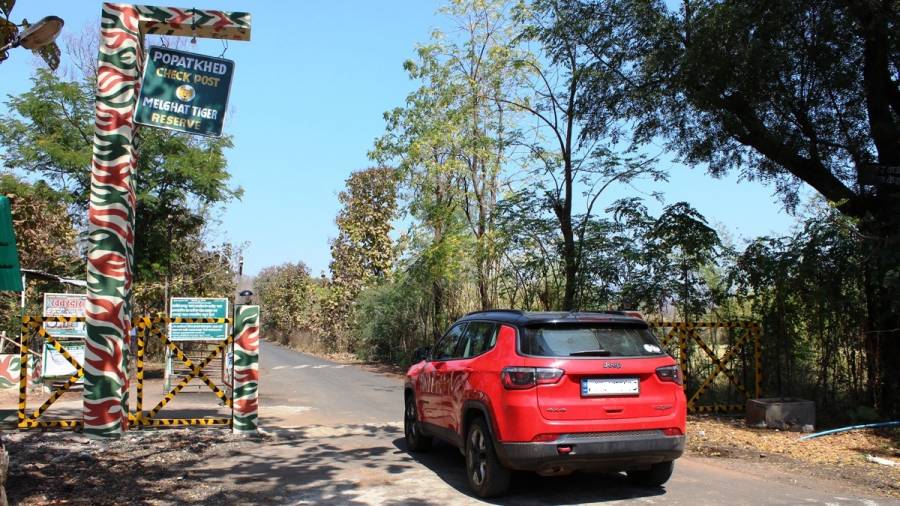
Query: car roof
x,y
525,318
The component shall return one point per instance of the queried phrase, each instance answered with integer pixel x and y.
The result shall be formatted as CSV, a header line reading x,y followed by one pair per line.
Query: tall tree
x,y
363,252
790,92
453,135
572,168
682,235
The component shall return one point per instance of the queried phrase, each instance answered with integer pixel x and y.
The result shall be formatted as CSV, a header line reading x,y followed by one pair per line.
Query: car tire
x,y
487,477
653,477
415,440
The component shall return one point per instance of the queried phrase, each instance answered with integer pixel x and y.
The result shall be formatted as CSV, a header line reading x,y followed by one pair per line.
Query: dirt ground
x,y
839,456
156,464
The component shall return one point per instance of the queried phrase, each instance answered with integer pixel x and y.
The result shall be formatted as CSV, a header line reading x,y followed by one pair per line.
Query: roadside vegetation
x,y
493,186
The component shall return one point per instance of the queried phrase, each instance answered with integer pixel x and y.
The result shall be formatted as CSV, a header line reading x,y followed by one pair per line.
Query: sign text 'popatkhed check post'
x,y
184,91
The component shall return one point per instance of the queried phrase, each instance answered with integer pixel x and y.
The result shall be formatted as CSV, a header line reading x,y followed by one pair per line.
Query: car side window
x,y
446,347
479,338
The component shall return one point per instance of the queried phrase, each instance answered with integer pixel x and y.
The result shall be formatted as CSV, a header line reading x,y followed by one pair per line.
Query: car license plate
x,y
610,386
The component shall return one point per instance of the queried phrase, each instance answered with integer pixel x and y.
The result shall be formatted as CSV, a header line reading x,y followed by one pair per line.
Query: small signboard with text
x,y
65,304
189,307
55,364
183,91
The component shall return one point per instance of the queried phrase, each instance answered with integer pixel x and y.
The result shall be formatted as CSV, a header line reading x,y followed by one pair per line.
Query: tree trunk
x,y
882,326
570,261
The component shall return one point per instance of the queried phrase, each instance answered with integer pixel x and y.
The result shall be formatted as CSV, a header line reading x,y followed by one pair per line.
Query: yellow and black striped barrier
x,y
685,335
146,328
33,326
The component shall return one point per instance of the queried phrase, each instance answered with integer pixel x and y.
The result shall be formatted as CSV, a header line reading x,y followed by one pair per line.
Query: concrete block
x,y
782,413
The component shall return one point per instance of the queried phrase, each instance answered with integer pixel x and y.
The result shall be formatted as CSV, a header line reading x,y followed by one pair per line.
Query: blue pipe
x,y
852,427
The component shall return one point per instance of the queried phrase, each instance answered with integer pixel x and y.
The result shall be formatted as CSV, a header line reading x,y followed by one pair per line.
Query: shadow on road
x,y
528,488
348,464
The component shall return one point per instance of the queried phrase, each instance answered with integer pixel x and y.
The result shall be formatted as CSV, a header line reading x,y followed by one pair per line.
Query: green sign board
x,y
10,274
184,91
187,307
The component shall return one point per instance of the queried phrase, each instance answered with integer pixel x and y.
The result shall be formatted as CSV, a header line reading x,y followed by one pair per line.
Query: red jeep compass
x,y
551,393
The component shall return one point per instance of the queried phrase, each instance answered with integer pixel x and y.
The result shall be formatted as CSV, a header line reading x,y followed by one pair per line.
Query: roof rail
x,y
514,311
603,311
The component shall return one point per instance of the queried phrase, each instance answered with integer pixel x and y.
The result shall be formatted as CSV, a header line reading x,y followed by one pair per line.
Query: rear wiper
x,y
591,353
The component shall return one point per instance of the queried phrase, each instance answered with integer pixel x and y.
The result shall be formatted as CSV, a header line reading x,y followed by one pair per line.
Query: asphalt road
x,y
333,435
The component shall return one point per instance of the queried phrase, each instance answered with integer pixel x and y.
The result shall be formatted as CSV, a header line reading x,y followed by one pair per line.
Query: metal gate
x,y
152,328
32,327
147,328
706,358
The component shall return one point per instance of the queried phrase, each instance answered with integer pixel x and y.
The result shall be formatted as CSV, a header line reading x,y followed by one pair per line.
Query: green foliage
x,y
363,252
285,296
46,241
807,290
388,323
47,138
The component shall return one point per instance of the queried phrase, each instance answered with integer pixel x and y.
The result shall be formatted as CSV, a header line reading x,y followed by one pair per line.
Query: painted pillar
x,y
246,370
111,212
111,223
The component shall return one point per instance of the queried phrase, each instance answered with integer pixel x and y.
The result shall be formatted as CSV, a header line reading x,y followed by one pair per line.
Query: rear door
x,y
478,337
610,371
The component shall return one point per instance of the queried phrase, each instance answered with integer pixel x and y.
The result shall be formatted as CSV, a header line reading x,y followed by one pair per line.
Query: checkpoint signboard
x,y
198,307
70,334
183,91
65,304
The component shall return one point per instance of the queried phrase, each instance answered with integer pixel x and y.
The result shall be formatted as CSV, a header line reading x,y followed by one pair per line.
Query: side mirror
x,y
420,354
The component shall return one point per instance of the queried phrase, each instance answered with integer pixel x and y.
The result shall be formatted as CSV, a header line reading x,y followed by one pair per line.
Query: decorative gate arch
x,y
112,206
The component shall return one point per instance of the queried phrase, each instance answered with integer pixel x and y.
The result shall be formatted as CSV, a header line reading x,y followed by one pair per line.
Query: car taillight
x,y
672,431
520,378
544,438
670,373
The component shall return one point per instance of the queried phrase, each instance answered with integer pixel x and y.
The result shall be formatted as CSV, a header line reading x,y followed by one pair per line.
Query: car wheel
x,y
415,440
653,477
487,477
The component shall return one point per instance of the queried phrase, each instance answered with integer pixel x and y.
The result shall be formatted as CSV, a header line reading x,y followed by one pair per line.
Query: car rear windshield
x,y
589,340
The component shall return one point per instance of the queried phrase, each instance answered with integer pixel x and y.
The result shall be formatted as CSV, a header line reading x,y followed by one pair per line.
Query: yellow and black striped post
x,y
682,351
141,335
23,370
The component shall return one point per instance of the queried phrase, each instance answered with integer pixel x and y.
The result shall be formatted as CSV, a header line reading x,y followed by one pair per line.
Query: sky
x,y
307,101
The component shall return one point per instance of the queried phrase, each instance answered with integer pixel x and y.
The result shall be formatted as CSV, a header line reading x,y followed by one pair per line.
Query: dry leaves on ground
x,y
842,454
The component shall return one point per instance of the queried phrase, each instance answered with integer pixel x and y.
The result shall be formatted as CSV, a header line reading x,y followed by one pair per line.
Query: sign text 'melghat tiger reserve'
x,y
184,91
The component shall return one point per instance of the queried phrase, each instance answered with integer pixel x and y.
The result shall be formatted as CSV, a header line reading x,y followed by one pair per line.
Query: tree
x,y
46,240
683,237
566,160
285,293
179,177
789,92
453,137
363,253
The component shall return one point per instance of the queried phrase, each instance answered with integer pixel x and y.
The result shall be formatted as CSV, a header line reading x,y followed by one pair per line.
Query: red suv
x,y
551,393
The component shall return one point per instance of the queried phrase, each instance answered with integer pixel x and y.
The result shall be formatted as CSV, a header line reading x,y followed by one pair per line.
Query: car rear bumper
x,y
613,451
